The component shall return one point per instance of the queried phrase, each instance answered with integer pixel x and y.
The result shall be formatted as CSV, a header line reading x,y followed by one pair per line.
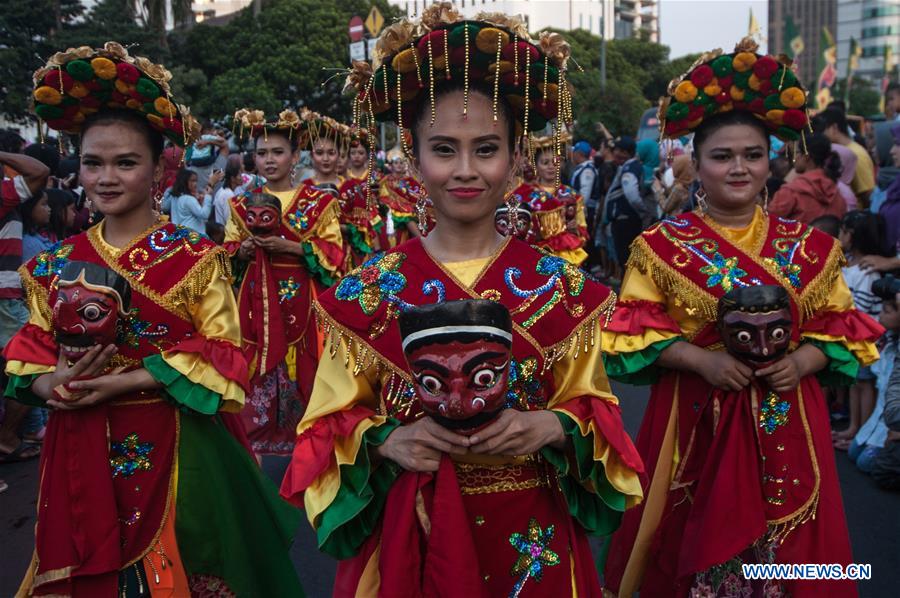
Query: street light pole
x,y
603,46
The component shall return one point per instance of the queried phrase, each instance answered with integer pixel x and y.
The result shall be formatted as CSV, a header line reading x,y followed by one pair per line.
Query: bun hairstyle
x,y
818,147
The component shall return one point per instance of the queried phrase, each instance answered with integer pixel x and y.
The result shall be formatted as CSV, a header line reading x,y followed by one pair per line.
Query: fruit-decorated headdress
x,y
81,81
414,58
764,85
254,123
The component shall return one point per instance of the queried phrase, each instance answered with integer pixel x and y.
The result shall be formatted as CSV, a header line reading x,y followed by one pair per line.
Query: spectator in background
x,y
848,171
171,160
35,215
207,155
48,155
892,102
648,155
584,175
814,191
832,122
189,207
30,179
862,234
624,208
779,167
830,225
222,199
885,467
677,198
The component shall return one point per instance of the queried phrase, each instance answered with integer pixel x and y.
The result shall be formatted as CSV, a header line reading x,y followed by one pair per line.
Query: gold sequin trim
x,y
490,479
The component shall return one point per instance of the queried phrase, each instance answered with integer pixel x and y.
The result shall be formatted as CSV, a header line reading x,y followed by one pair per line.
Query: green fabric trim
x,y
599,512
353,514
357,240
403,219
230,521
638,367
181,390
842,367
315,268
239,269
18,388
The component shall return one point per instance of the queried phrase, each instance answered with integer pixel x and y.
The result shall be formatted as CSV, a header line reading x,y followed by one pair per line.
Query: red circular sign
x,y
356,29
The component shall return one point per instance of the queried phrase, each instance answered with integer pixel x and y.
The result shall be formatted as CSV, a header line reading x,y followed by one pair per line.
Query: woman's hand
x,y
275,244
102,388
519,433
724,371
418,446
91,364
783,375
247,249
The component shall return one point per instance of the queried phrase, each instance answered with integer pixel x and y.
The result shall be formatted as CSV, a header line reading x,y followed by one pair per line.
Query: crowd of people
x,y
426,330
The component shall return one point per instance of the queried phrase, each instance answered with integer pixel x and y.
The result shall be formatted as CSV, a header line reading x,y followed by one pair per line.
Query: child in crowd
x,y
862,233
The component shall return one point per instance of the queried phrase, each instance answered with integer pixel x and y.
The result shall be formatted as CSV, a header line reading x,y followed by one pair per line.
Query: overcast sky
x,y
689,26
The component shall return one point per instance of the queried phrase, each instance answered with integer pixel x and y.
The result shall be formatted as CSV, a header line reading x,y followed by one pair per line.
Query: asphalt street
x,y
873,516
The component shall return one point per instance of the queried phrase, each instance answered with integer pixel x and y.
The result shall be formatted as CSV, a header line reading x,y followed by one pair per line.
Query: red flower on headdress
x,y
795,119
127,73
765,67
702,76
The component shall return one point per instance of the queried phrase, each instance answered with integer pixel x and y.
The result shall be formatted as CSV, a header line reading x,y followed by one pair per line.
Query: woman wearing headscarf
x,y
648,154
848,168
678,196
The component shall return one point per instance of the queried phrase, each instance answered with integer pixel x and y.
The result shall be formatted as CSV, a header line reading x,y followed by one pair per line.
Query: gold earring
x,y
421,211
765,199
512,214
701,199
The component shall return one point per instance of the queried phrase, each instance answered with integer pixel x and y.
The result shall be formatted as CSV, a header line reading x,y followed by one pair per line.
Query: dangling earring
x,y
512,215
765,199
701,199
421,211
157,199
89,204
293,174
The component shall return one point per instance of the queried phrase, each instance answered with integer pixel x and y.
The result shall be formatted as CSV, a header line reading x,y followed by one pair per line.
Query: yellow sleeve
x,y
585,376
214,315
36,300
328,232
234,229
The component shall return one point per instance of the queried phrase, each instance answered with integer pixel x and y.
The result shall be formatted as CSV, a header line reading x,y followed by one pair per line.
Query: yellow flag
x,y
753,29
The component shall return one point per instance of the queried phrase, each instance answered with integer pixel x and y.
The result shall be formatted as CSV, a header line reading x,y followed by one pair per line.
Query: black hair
x,y
11,142
818,147
127,117
182,178
726,119
830,116
828,224
780,167
892,88
423,109
232,169
867,232
293,138
59,200
45,153
249,162
25,209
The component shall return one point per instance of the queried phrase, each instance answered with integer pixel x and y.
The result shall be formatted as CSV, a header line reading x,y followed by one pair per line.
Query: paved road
x,y
873,517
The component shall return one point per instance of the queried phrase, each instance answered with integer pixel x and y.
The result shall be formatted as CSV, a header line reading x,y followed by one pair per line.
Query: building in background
x,y
874,25
615,18
808,18
210,9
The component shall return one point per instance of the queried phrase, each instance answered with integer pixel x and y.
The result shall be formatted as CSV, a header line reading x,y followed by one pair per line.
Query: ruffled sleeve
x,y
638,331
600,473
332,473
32,351
323,251
845,335
206,371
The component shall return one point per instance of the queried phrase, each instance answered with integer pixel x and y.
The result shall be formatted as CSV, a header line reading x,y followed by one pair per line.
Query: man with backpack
x,y
587,182
626,208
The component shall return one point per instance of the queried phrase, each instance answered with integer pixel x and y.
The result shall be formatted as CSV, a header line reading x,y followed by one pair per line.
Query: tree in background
x,y
864,96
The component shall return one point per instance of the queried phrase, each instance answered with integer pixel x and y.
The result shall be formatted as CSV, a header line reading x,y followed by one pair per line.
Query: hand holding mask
x,y
459,354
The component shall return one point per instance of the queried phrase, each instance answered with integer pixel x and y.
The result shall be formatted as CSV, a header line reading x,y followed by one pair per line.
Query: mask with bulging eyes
x,y
263,214
755,324
523,221
459,354
91,303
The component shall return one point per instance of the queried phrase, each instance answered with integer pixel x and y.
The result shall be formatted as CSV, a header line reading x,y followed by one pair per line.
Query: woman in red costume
x,y
361,224
738,449
414,508
557,210
286,265
133,340
399,193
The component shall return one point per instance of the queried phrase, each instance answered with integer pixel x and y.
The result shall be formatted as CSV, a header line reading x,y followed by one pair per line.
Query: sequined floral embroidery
x,y
773,412
376,280
134,329
722,272
534,554
551,265
524,387
130,456
287,289
53,260
164,244
299,218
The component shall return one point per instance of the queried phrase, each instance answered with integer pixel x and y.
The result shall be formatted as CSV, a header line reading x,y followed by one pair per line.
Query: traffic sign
x,y
374,22
370,47
358,51
356,29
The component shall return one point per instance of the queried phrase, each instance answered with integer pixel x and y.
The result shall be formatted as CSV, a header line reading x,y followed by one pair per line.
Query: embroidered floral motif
x,y
783,262
53,260
722,272
727,580
524,387
773,412
551,265
134,329
376,280
534,554
164,244
299,219
287,289
130,456
209,586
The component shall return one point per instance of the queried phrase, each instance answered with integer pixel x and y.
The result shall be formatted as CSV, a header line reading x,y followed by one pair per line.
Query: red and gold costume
x,y
553,231
399,195
733,477
275,301
360,219
481,522
151,485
